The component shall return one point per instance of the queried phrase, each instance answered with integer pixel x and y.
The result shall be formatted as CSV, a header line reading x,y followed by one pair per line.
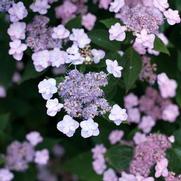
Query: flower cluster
x,y
20,154
153,106
151,152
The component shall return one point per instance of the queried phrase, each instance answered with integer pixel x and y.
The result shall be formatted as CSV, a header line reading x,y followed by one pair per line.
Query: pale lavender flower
x,y
34,138
19,155
40,6
88,21
115,136
110,175
6,175
130,100
2,92
42,157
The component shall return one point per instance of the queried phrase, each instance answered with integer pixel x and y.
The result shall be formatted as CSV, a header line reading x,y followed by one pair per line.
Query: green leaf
x,y
81,166
132,67
74,23
4,119
160,46
179,60
109,22
174,157
119,157
101,39
30,72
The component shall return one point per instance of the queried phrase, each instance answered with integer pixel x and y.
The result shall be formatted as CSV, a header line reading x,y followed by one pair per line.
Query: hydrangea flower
x,y
172,16
75,37
97,55
118,115
17,12
47,88
68,125
17,31
16,49
115,136
40,6
42,157
6,175
88,21
110,175
147,124
167,86
114,68
53,106
116,5
161,168
117,32
89,128
34,138
161,4
60,32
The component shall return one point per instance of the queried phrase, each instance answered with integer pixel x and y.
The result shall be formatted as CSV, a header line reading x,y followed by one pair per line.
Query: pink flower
x,y
98,150
139,138
130,100
172,16
127,177
99,165
42,157
115,136
161,4
161,168
79,37
2,91
16,49
147,124
147,40
104,3
117,32
88,21
134,115
110,175
170,113
167,86
34,138
116,5
60,32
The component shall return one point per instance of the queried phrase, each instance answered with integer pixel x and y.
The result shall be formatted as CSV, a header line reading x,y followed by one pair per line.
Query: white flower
x,y
67,126
147,40
89,128
97,55
114,68
17,31
40,6
41,60
161,4
57,57
60,32
47,88
167,86
2,91
34,138
74,57
5,175
41,157
80,38
16,49
17,12
53,106
161,168
118,115
117,32
172,16
116,5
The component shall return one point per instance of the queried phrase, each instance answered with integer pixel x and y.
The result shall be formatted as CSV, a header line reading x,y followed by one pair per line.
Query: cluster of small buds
x,y
152,106
19,155
148,153
5,5
148,71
